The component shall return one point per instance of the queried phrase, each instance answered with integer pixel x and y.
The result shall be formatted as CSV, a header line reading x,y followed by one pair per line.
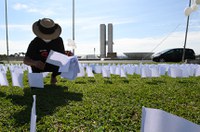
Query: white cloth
x,y
3,79
112,69
197,72
33,116
98,69
68,66
155,72
175,72
155,120
89,71
36,80
130,69
118,70
105,72
123,73
71,69
145,72
57,59
82,71
17,79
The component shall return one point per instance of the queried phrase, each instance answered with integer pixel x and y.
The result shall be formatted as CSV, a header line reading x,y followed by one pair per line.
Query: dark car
x,y
173,55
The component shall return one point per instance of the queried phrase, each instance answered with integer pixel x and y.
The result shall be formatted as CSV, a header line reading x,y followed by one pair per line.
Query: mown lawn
x,y
98,104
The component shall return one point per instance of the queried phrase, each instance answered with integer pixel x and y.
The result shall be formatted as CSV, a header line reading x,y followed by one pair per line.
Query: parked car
x,y
173,55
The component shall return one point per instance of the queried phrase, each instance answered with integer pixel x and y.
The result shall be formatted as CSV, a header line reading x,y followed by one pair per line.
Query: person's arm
x,y
34,63
31,51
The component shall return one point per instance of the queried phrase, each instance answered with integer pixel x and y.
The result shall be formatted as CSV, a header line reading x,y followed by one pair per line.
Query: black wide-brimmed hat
x,y
46,29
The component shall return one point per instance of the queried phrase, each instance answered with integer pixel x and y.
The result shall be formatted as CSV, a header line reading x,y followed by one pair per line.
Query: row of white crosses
x,y
88,70
17,75
144,70
17,72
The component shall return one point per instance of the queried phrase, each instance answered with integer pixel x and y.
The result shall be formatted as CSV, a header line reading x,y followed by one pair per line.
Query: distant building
x,y
104,43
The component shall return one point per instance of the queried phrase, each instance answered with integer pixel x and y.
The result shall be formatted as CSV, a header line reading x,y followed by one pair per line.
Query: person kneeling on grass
x,y
47,38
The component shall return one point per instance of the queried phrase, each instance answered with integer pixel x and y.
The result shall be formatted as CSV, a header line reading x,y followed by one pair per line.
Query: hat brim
x,y
41,35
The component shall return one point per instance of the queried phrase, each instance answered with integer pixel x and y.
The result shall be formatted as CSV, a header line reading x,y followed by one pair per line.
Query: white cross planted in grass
x,y
17,74
185,72
154,72
145,72
89,71
197,71
162,69
3,79
98,69
137,69
112,69
155,120
33,115
175,72
82,71
17,79
130,69
36,80
118,70
123,73
105,72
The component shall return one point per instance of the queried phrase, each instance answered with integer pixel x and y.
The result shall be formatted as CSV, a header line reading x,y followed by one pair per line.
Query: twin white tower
x,y
103,42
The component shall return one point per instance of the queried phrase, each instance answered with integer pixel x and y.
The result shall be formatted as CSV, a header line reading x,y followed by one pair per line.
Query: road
x,y
116,61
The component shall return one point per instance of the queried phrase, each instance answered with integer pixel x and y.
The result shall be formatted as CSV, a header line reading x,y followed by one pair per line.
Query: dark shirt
x,y
39,49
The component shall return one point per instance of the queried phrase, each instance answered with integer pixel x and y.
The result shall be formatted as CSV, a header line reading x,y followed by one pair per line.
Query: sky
x,y
138,25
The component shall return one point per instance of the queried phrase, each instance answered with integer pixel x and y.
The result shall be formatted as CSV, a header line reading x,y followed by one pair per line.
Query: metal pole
x,y
6,22
73,22
186,32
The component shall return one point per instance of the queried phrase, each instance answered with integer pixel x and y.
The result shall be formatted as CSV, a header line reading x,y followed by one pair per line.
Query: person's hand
x,y
39,64
69,53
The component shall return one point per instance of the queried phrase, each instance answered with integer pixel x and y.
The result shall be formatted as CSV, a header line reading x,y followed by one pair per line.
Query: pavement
x,y
116,61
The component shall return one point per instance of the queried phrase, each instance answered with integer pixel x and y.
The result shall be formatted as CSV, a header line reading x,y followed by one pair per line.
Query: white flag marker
x,y
36,80
155,120
33,116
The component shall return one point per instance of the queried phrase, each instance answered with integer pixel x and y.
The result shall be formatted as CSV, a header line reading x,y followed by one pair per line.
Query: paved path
x,y
116,61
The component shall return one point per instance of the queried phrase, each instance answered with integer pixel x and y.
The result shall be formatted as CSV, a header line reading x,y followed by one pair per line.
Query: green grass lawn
x,y
98,104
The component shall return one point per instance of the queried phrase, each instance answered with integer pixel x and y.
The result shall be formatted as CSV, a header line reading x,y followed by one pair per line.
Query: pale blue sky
x,y
138,25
